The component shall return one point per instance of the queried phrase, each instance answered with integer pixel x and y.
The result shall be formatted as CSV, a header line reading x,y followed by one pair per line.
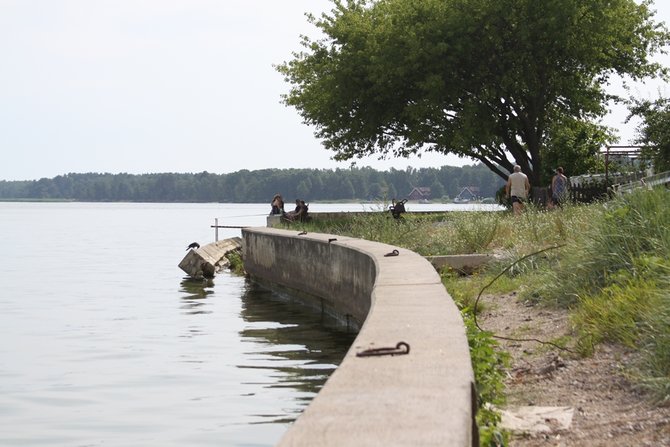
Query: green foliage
x,y
236,263
476,232
612,239
574,145
464,290
615,274
465,232
634,309
654,132
253,186
488,363
615,312
478,79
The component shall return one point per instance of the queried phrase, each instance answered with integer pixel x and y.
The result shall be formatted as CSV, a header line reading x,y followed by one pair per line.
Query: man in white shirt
x,y
517,189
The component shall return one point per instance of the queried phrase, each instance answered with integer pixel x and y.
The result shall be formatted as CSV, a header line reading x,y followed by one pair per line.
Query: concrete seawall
x,y
422,398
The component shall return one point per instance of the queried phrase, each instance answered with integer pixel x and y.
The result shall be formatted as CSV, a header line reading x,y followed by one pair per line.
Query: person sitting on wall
x,y
303,211
397,208
277,205
299,213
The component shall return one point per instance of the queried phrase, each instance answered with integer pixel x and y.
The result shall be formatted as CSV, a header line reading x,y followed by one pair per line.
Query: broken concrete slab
x,y
535,419
209,259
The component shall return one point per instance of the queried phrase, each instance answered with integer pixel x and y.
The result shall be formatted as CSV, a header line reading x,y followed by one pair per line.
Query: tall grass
x,y
458,232
613,270
615,236
616,275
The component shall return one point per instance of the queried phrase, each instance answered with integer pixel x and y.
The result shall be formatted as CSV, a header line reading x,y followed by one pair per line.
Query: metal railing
x,y
216,227
645,182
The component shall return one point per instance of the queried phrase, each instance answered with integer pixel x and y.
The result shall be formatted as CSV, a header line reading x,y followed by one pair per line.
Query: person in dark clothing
x,y
559,188
397,208
277,204
299,213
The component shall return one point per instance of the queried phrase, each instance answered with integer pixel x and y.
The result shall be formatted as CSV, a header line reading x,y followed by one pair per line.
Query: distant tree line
x,y
256,186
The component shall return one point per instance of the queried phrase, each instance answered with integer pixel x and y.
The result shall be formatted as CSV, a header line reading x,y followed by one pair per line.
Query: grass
x,y
633,309
236,264
611,271
615,275
488,364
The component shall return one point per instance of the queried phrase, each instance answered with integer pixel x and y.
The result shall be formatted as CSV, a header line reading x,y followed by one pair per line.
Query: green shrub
x,y
608,239
474,233
489,363
236,263
634,310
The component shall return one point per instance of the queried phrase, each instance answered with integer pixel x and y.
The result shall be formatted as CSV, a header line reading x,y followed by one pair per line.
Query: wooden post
x,y
216,229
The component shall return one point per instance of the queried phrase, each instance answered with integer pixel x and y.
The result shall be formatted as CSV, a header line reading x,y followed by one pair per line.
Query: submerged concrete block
x,y
207,260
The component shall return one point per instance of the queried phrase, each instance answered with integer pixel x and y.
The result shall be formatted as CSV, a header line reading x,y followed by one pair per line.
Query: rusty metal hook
x,y
385,351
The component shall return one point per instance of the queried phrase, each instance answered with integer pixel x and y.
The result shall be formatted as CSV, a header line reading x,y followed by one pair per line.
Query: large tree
x,y
654,132
485,79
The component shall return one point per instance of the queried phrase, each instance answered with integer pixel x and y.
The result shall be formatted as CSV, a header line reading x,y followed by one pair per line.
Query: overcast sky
x,y
143,86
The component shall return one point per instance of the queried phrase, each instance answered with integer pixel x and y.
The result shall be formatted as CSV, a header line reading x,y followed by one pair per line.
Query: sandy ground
x,y
606,408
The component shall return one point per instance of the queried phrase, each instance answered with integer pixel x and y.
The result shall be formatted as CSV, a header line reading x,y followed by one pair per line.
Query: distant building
x,y
419,193
467,194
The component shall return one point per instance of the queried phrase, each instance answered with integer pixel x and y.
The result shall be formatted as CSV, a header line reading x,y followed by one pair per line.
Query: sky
x,y
142,86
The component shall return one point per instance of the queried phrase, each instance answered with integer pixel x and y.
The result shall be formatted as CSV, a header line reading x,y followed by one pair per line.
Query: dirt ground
x,y
607,409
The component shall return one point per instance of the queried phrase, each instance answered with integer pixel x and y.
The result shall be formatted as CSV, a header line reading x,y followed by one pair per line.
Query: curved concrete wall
x,y
423,398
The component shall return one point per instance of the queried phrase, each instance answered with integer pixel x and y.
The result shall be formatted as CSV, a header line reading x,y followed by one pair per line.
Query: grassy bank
x,y
607,263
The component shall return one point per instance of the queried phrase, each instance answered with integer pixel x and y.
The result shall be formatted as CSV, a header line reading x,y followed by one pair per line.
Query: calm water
x,y
103,342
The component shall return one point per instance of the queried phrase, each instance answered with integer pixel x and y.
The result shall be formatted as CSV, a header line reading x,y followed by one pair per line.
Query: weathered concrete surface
x,y
423,398
275,220
209,259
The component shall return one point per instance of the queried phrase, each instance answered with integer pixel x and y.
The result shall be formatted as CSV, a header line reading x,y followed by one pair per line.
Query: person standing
x,y
559,188
517,189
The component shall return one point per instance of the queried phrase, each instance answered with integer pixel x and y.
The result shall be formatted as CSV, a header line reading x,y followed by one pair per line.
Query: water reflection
x,y
296,347
196,290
